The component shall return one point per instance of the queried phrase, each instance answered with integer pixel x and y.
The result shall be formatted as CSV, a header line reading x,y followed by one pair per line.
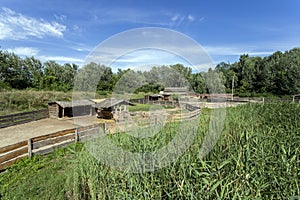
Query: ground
x,y
18,133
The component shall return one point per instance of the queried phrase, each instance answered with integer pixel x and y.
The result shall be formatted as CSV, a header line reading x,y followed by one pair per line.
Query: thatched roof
x,y
75,103
107,103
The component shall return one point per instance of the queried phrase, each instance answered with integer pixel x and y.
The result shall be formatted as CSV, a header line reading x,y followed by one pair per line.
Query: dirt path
x,y
18,133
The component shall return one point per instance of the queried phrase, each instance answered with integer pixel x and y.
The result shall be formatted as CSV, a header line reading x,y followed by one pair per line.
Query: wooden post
x,y
76,135
293,98
29,148
104,128
263,99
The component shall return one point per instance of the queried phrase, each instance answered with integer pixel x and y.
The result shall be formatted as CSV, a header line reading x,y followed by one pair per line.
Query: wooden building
x,y
154,97
61,109
109,108
170,92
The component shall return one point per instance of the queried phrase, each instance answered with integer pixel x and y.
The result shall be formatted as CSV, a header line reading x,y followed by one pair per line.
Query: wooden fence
x,y
152,120
158,102
21,118
45,144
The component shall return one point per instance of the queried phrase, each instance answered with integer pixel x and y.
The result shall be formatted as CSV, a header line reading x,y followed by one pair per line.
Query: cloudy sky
x,y
68,31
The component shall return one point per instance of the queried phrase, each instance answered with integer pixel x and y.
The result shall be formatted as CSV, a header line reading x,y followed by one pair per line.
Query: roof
x,y
155,95
97,100
175,90
74,103
107,103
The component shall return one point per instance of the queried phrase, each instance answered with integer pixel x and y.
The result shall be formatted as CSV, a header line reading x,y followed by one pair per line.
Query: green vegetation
x,y
42,177
277,74
15,101
26,100
147,107
256,157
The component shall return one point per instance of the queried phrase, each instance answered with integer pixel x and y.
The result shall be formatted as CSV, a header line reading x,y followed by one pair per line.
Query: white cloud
x,y
24,51
63,59
235,51
61,18
191,18
18,26
174,18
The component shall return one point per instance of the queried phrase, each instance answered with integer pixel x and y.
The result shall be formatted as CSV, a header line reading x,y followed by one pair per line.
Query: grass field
x,y
256,157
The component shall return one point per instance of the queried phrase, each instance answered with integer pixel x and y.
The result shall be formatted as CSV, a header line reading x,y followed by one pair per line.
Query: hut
x,y
170,92
110,107
61,109
154,97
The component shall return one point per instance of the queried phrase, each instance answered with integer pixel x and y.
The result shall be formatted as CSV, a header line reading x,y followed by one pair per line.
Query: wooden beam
x,y
12,147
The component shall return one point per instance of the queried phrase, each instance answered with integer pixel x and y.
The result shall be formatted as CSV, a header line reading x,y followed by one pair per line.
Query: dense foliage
x,y
277,74
256,157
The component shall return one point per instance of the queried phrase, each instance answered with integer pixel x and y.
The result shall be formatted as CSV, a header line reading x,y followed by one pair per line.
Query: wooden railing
x,y
21,118
45,144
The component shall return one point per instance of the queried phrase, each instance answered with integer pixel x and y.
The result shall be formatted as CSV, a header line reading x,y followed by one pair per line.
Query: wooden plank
x,y
88,137
52,148
23,122
6,125
90,132
6,164
51,141
80,129
13,154
12,147
5,120
22,116
53,135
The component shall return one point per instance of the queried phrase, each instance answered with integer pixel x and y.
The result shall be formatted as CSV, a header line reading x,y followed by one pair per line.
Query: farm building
x,y
154,97
109,107
61,109
170,92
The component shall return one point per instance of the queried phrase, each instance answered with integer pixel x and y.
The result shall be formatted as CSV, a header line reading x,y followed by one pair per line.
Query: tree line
x,y
277,74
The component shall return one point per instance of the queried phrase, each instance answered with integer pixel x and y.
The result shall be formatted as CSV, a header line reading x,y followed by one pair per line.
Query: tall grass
x,y
256,156
15,101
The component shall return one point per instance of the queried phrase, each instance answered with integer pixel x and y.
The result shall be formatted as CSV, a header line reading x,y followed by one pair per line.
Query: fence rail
x,y
46,143
158,102
21,118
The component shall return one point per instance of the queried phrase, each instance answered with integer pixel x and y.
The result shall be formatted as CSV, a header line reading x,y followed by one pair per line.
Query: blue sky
x,y
67,31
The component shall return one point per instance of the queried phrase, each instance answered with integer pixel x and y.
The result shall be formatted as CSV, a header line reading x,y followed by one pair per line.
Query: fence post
x,y
76,135
30,148
104,128
263,99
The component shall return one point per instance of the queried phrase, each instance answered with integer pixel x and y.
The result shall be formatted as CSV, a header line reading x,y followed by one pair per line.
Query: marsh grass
x,y
256,157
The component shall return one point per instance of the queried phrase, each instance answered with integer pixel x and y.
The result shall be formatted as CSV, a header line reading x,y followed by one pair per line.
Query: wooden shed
x,y
60,109
173,91
107,108
154,97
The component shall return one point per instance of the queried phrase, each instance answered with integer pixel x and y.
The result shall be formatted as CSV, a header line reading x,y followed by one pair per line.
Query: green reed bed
x,y
255,157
